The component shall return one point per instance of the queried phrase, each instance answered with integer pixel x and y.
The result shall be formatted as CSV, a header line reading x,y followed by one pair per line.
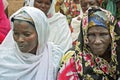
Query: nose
x,y
97,40
43,5
20,39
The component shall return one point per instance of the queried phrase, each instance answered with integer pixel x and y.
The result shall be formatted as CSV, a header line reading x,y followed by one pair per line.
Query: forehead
x,y
97,29
19,25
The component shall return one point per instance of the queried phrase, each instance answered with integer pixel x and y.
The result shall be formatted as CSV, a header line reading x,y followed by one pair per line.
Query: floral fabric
x,y
80,64
68,8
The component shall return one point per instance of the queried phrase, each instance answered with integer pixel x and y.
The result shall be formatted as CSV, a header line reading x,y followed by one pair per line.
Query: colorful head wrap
x,y
80,62
97,18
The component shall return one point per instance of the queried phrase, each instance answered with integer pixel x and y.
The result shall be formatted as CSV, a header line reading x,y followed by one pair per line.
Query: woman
x,y
70,8
4,23
25,54
59,30
94,55
76,22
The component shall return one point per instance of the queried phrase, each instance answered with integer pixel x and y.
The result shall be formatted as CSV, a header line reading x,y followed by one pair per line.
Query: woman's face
x,y
99,39
25,36
85,4
43,5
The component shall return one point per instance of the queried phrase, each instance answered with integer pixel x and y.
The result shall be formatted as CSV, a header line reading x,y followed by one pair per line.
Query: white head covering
x,y
59,29
51,10
15,65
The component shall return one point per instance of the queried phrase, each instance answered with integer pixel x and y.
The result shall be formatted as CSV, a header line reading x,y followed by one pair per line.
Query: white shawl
x,y
60,33
15,65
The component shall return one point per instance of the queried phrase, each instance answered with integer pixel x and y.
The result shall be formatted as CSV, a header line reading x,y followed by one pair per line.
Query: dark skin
x,y
43,5
99,41
25,36
85,4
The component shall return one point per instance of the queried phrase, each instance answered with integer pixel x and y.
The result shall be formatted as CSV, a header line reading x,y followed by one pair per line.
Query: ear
x,y
86,41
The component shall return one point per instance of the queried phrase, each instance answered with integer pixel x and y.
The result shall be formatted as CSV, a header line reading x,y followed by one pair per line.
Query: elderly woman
x,y
26,54
59,30
76,22
94,55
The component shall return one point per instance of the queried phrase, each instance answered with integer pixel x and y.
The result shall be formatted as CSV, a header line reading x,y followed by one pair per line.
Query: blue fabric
x,y
96,20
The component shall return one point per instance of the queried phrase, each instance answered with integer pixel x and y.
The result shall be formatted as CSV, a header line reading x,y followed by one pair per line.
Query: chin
x,y
98,53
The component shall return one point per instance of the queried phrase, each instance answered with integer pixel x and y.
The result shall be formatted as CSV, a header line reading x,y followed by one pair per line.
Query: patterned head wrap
x,y
80,63
98,16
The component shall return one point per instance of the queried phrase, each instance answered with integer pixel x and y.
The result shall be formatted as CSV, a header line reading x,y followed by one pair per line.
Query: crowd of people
x,y
60,40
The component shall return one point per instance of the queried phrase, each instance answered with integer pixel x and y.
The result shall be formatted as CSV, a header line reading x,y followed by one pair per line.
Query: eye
x,y
91,35
27,34
48,3
104,34
38,1
16,33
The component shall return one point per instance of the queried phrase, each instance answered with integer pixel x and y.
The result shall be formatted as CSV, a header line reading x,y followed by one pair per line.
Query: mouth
x,y
21,46
98,48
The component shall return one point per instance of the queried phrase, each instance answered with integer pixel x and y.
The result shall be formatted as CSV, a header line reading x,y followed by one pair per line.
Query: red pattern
x,y
69,73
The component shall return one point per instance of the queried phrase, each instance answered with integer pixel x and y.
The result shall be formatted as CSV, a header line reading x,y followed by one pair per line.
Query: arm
x,y
59,32
67,70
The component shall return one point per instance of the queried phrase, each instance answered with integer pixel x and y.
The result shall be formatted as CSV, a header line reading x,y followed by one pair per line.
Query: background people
x,y
76,22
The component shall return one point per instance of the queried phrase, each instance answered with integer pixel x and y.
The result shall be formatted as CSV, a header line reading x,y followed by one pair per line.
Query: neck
x,y
34,51
106,56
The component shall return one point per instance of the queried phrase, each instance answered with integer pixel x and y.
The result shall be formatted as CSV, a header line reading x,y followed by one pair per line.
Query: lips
x,y
21,46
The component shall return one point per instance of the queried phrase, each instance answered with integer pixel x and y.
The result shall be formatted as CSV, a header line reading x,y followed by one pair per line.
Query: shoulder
x,y
56,53
57,17
68,55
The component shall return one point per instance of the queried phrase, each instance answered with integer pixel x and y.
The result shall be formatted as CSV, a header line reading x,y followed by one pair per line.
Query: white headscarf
x,y
15,65
51,10
60,33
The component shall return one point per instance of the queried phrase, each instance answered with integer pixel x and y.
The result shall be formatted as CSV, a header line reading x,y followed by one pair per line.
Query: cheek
x,y
107,42
33,40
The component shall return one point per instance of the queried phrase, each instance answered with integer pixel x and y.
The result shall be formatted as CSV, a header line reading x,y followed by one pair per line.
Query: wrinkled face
x,y
43,5
99,39
25,36
85,4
